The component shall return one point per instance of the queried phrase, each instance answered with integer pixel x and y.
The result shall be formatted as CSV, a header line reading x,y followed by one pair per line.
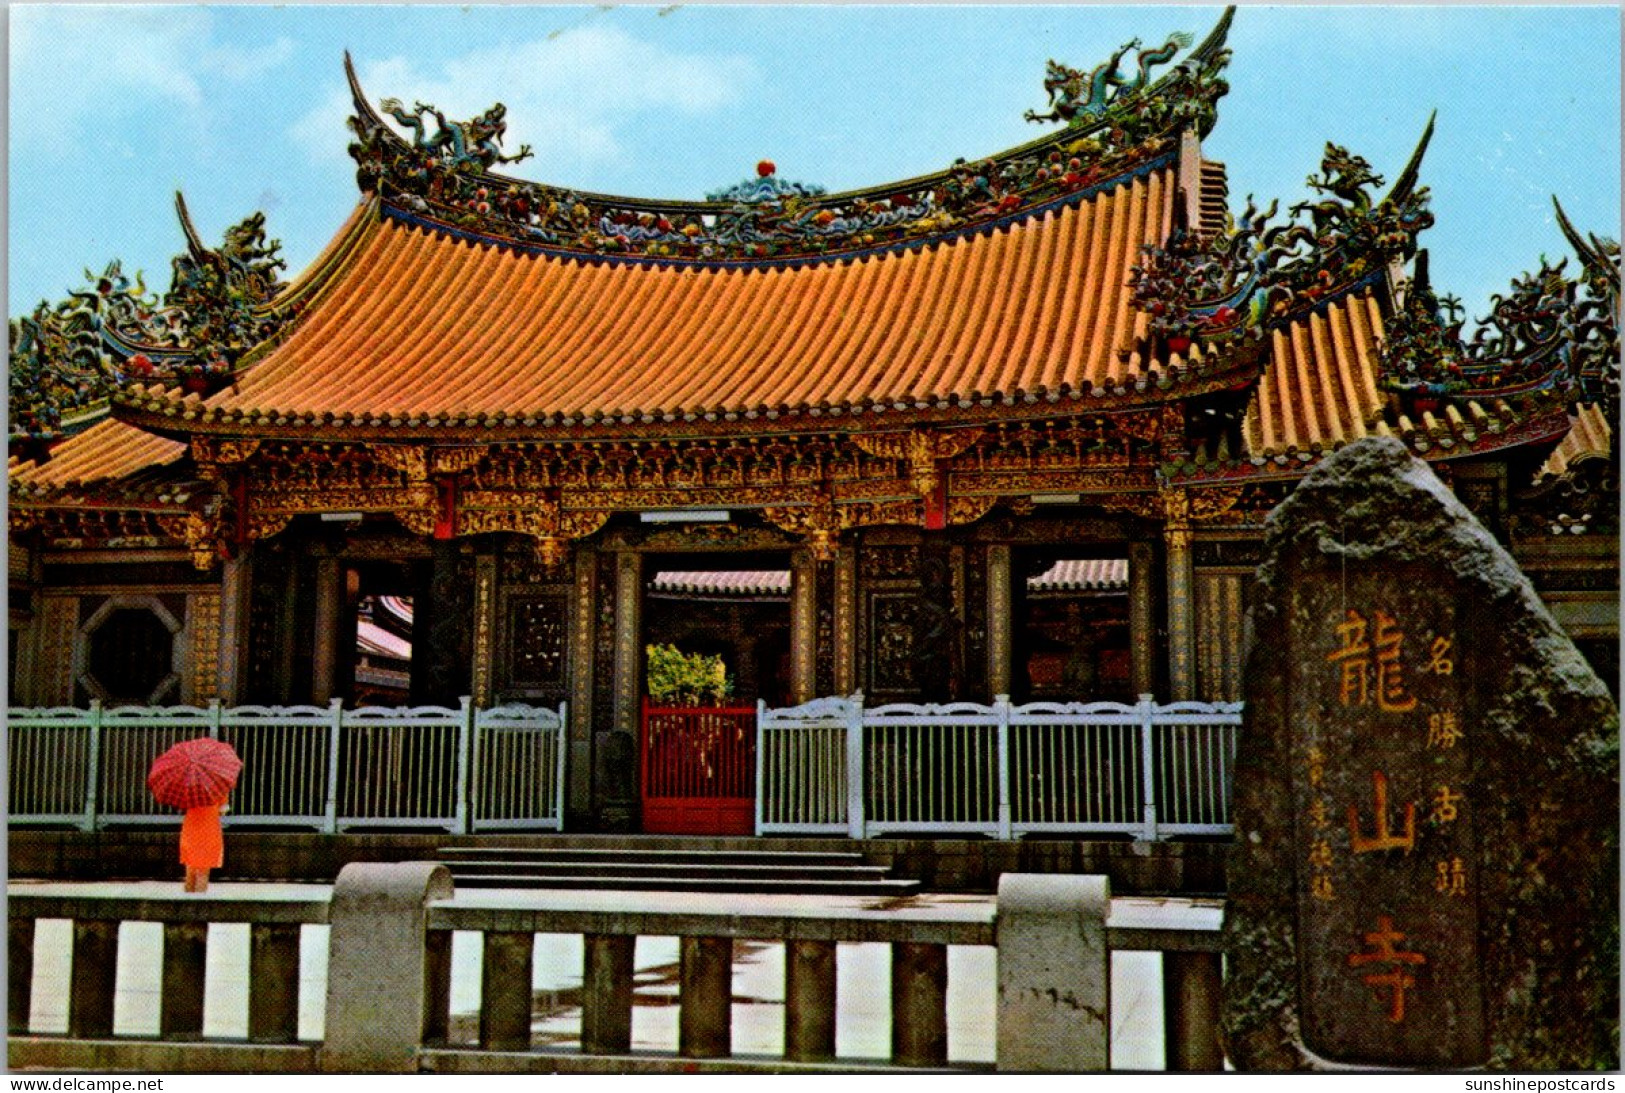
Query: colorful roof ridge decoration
x,y
1256,275
67,360
442,180
1551,340
766,186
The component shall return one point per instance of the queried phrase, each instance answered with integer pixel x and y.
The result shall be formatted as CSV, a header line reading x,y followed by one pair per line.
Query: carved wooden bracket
x,y
823,522
550,524
412,461
213,455
922,449
205,533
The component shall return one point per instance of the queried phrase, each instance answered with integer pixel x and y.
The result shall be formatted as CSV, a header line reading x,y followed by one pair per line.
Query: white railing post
x,y
214,719
1001,710
465,744
1148,771
561,741
93,764
761,760
855,826
330,808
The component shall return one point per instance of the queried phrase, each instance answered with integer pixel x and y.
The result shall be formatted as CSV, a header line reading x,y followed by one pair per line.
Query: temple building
x,y
1012,428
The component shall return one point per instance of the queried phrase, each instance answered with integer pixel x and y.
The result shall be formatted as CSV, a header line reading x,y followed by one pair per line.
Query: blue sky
x,y
114,108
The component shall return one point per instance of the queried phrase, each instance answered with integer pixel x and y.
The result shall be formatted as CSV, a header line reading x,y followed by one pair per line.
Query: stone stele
x,y
1425,874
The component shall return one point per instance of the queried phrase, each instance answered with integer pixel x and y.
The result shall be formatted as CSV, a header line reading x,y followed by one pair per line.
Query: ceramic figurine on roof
x,y
1128,123
766,186
68,360
1077,97
473,145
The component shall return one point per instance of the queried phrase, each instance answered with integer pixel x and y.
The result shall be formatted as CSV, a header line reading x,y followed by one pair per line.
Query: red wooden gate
x,y
699,769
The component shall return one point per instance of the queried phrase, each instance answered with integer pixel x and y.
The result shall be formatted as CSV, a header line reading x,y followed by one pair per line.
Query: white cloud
x,y
569,97
75,67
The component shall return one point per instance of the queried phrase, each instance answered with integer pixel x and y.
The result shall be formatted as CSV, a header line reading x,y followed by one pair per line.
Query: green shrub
x,y
686,679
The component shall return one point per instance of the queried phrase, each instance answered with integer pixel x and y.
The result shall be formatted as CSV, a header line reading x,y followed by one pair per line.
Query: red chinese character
x,y
1382,941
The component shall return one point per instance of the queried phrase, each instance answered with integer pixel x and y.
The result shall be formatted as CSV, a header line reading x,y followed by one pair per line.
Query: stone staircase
x,y
747,872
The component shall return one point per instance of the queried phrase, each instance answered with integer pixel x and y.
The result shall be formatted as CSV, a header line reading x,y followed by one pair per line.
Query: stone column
x,y
584,625
705,1013
324,650
809,1001
236,583
628,641
998,620
378,969
1054,1009
803,627
919,1004
1181,600
19,973
485,628
505,990
440,674
273,971
180,1012
1142,617
615,753
606,994
846,620
90,983
1192,985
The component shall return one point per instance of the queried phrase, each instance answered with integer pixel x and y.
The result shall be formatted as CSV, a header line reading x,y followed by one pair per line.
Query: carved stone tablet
x,y
1425,872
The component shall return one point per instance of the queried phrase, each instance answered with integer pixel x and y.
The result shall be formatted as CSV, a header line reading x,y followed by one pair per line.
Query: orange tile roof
x,y
1320,392
1320,389
1590,436
416,326
108,452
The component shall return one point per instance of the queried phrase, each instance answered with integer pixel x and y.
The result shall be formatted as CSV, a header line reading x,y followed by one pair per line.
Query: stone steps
x,y
626,869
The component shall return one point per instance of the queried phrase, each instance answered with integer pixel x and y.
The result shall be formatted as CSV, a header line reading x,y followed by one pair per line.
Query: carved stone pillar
x,y
236,582
846,620
803,627
628,639
485,626
998,619
1142,617
578,763
615,753
324,648
1181,608
440,645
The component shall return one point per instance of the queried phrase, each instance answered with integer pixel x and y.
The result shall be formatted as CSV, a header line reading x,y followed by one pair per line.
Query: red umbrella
x,y
194,773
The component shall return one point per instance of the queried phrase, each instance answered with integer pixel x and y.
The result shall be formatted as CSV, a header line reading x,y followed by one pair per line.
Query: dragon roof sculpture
x,y
443,178
67,359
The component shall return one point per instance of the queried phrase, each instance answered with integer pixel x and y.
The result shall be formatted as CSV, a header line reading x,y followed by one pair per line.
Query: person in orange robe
x,y
203,845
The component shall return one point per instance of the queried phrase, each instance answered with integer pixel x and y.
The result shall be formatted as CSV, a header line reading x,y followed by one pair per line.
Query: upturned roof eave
x,y
180,419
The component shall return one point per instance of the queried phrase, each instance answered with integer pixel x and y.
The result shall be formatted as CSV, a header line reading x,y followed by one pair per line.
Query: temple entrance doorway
x,y
716,640
1072,631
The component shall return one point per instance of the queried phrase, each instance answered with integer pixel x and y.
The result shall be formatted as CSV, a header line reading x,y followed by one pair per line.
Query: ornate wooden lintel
x,y
1178,507
549,523
206,532
923,450
214,455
